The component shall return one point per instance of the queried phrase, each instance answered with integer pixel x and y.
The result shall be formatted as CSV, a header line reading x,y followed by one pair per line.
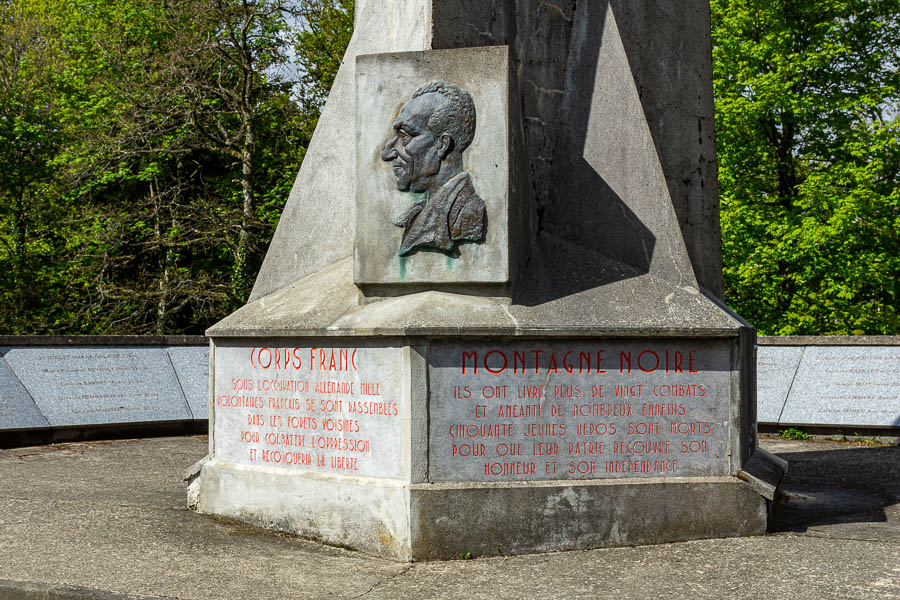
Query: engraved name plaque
x,y
579,410
100,385
846,385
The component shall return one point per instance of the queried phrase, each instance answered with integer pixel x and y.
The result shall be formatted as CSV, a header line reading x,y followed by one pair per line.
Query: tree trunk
x,y
19,238
240,279
163,284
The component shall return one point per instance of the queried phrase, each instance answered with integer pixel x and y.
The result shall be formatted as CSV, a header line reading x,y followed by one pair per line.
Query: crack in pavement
x,y
403,571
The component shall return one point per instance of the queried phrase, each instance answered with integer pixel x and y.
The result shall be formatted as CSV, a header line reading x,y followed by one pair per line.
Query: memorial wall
x,y
90,381
821,382
835,382
484,322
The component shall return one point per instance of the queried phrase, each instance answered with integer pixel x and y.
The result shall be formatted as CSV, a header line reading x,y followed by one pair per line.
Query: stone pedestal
x,y
419,448
501,345
495,429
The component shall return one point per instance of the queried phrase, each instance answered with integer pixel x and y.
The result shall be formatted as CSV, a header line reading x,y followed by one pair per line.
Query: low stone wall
x,y
65,382
829,381
58,382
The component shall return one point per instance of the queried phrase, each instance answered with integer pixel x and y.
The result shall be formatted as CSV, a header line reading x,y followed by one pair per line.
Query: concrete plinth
x,y
424,447
447,520
364,513
450,520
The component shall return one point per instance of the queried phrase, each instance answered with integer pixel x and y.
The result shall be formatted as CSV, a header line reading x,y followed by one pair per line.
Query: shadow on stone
x,y
587,214
559,268
838,486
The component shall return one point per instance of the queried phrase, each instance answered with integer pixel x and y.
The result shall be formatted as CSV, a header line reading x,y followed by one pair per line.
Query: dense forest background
x,y
147,148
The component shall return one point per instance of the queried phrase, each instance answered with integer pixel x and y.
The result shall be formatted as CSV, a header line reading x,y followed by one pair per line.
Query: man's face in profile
x,y
414,151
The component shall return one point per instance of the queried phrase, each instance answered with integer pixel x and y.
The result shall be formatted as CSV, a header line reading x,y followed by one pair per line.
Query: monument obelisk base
x,y
514,433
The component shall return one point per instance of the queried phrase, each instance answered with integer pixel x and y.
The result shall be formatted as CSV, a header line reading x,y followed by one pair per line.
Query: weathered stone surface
x,y
368,514
668,53
17,409
776,367
453,520
612,195
326,304
94,386
580,410
846,385
325,408
606,264
385,83
764,472
191,365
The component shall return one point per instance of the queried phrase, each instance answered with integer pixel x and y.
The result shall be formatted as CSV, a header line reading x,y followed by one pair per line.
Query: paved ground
x,y
107,520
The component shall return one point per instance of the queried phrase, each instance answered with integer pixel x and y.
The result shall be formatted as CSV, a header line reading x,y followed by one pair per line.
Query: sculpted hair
x,y
456,116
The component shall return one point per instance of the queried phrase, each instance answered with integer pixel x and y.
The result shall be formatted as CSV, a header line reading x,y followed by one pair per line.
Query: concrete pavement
x,y
108,520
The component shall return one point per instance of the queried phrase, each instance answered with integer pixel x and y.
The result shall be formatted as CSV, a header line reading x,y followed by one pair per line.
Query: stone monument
x,y
488,322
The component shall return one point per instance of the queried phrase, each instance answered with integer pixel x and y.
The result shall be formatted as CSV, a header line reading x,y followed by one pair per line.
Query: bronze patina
x,y
430,135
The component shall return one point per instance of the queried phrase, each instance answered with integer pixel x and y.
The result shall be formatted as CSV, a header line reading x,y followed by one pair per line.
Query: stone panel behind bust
x,y
385,83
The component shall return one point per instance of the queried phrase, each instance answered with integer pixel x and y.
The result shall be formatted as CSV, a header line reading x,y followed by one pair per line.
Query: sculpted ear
x,y
445,145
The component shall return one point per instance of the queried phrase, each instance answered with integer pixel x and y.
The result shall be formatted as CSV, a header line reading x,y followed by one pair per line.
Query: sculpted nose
x,y
388,152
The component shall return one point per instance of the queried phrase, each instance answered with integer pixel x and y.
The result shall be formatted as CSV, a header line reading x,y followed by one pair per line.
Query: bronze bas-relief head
x,y
429,137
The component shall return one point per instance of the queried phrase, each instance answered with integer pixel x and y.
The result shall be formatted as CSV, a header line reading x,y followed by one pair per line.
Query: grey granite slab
x,y
311,405
846,386
579,410
17,409
775,370
828,340
96,385
192,370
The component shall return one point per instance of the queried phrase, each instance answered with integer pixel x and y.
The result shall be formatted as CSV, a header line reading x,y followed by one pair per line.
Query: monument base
x,y
423,445
448,520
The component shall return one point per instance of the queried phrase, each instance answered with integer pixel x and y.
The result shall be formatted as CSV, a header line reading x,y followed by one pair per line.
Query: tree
x,y
234,74
29,137
148,147
128,171
808,133
325,32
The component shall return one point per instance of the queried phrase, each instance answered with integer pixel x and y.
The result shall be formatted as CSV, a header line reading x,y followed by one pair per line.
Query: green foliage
x,y
808,132
793,433
29,138
320,46
147,148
